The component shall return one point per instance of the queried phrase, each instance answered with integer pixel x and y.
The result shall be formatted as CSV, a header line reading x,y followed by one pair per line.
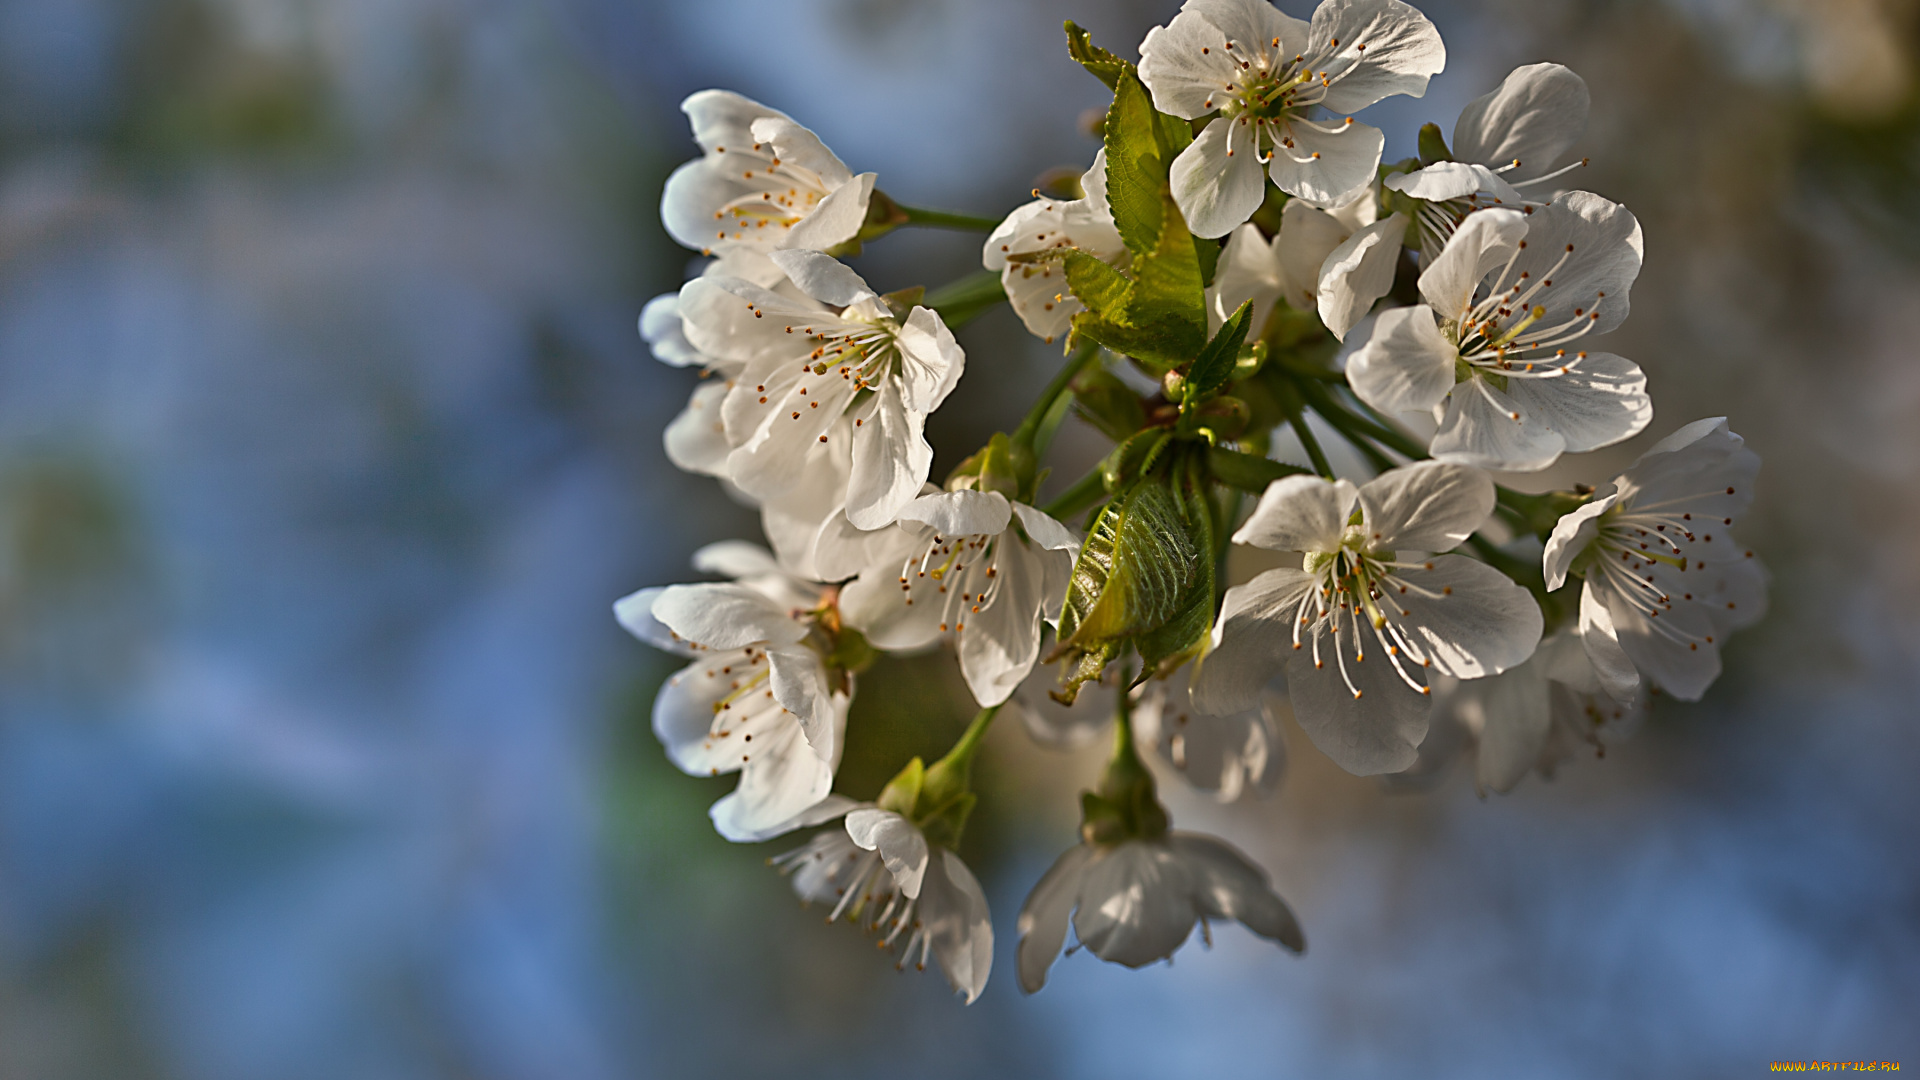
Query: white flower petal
x,y
1473,620
724,119
836,219
1249,271
1227,885
1252,25
891,459
1064,727
961,513
1378,732
796,145
1299,513
1611,664
1600,400
1135,904
953,911
799,684
1447,180
661,328
1358,273
930,360
1514,718
1307,236
1252,642
823,277
736,559
1597,272
1400,362
1184,66
902,847
1403,51
1532,117
1482,244
1347,163
1222,755
1044,530
696,439
1487,429
1571,535
1043,918
723,615
1000,642
1425,506
730,822
635,613
1218,190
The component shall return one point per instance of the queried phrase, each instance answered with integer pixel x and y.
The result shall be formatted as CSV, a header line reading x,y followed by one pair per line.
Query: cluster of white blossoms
x,y
1236,259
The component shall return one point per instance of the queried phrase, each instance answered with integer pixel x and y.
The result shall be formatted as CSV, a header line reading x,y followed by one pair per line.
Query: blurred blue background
x,y
326,441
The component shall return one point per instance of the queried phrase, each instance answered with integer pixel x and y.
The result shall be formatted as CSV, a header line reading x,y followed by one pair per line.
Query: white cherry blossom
x,y
1367,615
1664,579
763,182
1495,351
880,871
806,364
756,700
1505,142
1266,74
1037,288
1136,901
974,564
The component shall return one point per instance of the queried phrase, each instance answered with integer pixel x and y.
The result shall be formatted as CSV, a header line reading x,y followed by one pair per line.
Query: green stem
x,y
943,219
1314,453
959,301
1085,491
1061,382
969,740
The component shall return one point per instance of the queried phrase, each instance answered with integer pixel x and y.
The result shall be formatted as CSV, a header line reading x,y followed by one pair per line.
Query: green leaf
x,y
1248,472
1184,633
1136,171
1167,279
1214,366
1136,455
1104,65
1163,346
1106,291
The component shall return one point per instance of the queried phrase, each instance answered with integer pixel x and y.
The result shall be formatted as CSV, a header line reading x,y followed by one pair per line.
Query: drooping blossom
x,y
758,698
1136,901
1268,75
1037,287
1495,352
882,873
988,570
1664,579
1359,625
1224,756
805,365
762,181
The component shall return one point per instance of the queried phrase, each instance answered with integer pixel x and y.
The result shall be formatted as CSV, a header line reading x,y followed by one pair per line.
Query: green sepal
x,y
1248,472
902,301
1433,145
902,793
1002,465
1103,65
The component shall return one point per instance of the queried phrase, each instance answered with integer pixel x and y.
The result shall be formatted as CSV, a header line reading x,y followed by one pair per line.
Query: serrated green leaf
x,y
1214,366
1105,291
1163,346
1167,286
1134,569
1185,632
1136,171
1105,66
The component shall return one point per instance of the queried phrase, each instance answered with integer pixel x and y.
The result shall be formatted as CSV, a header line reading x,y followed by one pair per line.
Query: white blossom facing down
x,y
1267,73
1367,615
1137,901
881,872
1494,352
806,364
974,564
756,700
762,182
1224,756
1037,287
1665,581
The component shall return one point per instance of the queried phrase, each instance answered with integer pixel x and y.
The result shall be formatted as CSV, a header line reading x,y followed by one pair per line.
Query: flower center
x,y
1357,596
781,192
962,572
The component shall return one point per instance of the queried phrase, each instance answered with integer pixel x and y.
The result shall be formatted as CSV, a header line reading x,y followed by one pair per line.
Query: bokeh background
x,y
326,441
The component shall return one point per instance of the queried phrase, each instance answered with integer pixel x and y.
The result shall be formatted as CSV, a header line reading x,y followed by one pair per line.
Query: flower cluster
x,y
1235,260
